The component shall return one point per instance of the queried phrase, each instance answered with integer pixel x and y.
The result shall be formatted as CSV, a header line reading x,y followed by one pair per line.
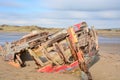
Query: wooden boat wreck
x,y
66,50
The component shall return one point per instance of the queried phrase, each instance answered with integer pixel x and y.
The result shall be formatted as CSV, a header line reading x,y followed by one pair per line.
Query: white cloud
x,y
10,4
78,15
62,13
102,24
12,22
82,4
63,18
109,14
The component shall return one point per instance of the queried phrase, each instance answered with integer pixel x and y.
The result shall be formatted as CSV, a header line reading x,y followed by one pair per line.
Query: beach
x,y
107,68
59,39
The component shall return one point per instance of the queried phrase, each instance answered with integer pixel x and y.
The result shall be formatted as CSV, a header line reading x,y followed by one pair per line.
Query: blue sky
x,y
60,13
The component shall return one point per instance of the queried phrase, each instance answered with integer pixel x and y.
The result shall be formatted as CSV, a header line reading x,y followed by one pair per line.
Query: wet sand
x,y
107,68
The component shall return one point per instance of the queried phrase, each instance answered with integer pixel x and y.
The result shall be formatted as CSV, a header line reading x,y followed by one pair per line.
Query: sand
x,y
8,72
107,68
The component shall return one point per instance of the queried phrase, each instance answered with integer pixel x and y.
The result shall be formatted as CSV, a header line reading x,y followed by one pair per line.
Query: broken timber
x,y
62,51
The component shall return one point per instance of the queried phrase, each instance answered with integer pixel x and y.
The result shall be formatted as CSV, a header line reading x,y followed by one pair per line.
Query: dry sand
x,y
8,72
107,68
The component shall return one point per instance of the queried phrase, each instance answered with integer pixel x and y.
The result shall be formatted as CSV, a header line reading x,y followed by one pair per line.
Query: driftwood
x,y
76,46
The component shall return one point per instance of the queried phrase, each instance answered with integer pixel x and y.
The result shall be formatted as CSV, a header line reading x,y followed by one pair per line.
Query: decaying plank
x,y
62,50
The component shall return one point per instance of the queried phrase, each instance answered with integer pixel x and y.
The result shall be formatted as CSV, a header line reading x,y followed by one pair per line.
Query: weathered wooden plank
x,y
60,52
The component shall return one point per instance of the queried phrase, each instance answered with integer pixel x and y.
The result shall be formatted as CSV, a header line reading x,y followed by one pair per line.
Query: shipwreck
x,y
62,51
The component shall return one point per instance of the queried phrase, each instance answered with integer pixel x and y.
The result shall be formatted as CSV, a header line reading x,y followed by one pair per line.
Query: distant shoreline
x,y
100,33
28,29
109,34
9,28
